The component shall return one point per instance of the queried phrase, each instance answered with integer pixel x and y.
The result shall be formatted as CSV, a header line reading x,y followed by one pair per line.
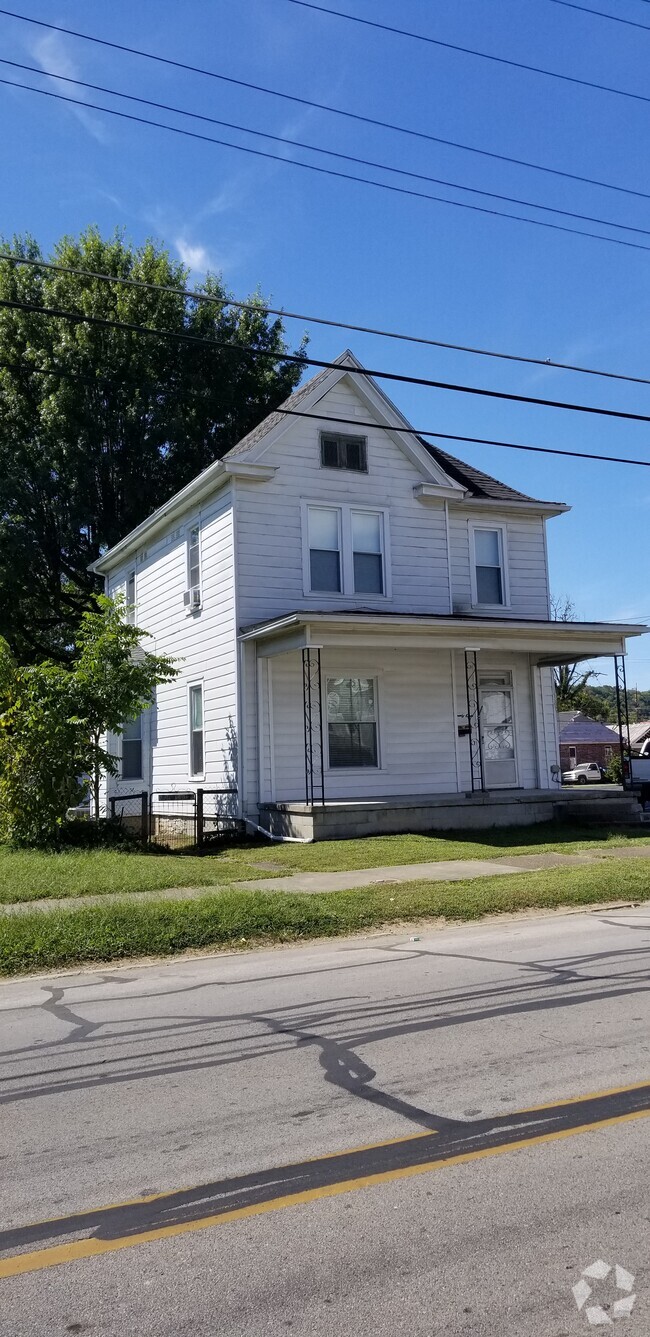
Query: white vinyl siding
x,y
271,540
526,561
204,646
415,724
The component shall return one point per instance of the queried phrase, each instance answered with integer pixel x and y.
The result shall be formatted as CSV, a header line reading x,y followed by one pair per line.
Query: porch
x,y
371,722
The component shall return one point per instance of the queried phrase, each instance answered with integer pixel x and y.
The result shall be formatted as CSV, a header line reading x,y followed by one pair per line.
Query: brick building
x,y
584,739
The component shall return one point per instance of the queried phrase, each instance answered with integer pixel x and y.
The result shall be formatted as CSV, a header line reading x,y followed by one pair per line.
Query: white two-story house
x,y
362,627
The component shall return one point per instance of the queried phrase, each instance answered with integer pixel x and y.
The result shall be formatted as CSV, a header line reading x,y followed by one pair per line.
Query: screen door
x,y
498,731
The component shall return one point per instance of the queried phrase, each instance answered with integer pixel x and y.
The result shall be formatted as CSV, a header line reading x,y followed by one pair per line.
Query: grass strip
x,y
28,875
236,918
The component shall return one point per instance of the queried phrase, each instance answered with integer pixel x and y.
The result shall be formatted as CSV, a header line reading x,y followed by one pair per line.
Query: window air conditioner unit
x,y
192,598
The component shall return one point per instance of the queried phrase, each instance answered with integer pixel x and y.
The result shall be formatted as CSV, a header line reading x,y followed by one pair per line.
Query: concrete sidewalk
x,y
450,870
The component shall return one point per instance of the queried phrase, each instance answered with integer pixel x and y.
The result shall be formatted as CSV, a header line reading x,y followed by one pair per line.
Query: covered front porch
x,y
370,722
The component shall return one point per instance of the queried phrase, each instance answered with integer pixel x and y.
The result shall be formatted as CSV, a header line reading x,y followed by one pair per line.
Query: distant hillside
x,y
603,699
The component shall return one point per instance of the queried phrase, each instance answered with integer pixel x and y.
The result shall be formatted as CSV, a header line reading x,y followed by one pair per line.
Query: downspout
x,y
451,596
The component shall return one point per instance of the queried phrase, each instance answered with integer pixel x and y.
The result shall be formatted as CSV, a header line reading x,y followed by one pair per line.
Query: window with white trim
x,y
194,558
131,763
130,598
343,452
346,551
325,549
352,722
367,551
196,729
489,567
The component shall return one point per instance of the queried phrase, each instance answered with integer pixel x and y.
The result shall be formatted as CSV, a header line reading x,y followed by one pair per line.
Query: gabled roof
x,y
578,728
478,484
638,732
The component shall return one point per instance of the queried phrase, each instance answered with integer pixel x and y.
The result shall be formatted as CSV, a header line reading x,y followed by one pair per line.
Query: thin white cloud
x,y
52,55
197,257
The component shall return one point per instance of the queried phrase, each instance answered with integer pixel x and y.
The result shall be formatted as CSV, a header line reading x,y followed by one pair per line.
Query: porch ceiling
x,y
546,642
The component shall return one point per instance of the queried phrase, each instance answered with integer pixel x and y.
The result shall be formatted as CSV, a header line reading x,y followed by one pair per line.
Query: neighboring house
x,y
637,734
584,739
362,624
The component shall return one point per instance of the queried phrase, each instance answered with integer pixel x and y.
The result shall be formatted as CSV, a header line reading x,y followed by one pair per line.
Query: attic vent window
x,y
344,452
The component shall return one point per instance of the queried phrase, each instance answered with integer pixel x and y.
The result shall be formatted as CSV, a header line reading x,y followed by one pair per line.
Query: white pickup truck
x,y
637,769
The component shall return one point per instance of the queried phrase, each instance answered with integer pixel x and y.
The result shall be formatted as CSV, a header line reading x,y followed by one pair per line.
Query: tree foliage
x,y
98,426
54,721
573,682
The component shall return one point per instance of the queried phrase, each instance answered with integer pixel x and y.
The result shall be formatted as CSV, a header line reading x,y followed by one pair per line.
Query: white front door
x,y
498,731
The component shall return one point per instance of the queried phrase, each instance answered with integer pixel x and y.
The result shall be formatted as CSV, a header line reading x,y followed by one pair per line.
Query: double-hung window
x,y
131,767
130,598
196,729
352,722
346,551
489,567
325,549
367,551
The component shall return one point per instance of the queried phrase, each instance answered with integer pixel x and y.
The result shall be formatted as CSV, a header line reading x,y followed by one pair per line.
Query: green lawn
x,y
27,875
237,919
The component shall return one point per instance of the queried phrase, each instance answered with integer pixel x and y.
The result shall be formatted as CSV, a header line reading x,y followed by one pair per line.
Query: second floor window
x,y
130,598
193,559
367,552
489,568
325,549
346,551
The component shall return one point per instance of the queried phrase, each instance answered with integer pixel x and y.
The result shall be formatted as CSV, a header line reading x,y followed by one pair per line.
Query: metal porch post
x,y
622,712
312,696
474,721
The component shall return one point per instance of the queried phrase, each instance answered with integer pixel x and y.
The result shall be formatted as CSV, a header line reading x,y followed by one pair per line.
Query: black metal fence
x,y
193,819
131,811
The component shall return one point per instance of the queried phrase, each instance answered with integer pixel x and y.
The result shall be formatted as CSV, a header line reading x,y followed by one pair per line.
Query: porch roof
x,y
547,642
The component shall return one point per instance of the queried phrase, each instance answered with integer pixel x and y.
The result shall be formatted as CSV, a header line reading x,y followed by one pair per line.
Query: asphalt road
x,y
206,1132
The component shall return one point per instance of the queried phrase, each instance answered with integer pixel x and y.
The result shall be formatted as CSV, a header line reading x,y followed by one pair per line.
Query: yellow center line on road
x,y
54,1256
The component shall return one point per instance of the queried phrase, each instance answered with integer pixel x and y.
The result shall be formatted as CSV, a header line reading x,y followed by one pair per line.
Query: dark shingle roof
x,y
478,484
582,729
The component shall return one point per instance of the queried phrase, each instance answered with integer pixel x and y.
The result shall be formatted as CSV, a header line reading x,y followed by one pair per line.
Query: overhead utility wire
x,y
615,18
78,317
330,153
471,440
197,296
466,51
330,110
355,422
328,171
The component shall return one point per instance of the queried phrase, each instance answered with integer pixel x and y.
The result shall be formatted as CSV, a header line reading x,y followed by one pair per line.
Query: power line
x,y
467,51
327,171
615,18
356,422
330,153
241,350
328,109
472,440
197,296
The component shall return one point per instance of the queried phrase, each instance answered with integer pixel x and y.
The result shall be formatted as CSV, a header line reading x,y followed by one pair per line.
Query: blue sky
x,y
347,251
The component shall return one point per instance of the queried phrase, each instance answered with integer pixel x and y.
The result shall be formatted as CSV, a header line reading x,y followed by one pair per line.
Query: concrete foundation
x,y
447,812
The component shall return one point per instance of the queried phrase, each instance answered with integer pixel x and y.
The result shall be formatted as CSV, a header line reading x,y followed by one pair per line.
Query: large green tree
x,y
100,426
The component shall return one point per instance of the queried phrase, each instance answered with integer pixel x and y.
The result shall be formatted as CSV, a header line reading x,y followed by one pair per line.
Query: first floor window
x,y
196,730
352,722
488,564
324,549
132,749
367,551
